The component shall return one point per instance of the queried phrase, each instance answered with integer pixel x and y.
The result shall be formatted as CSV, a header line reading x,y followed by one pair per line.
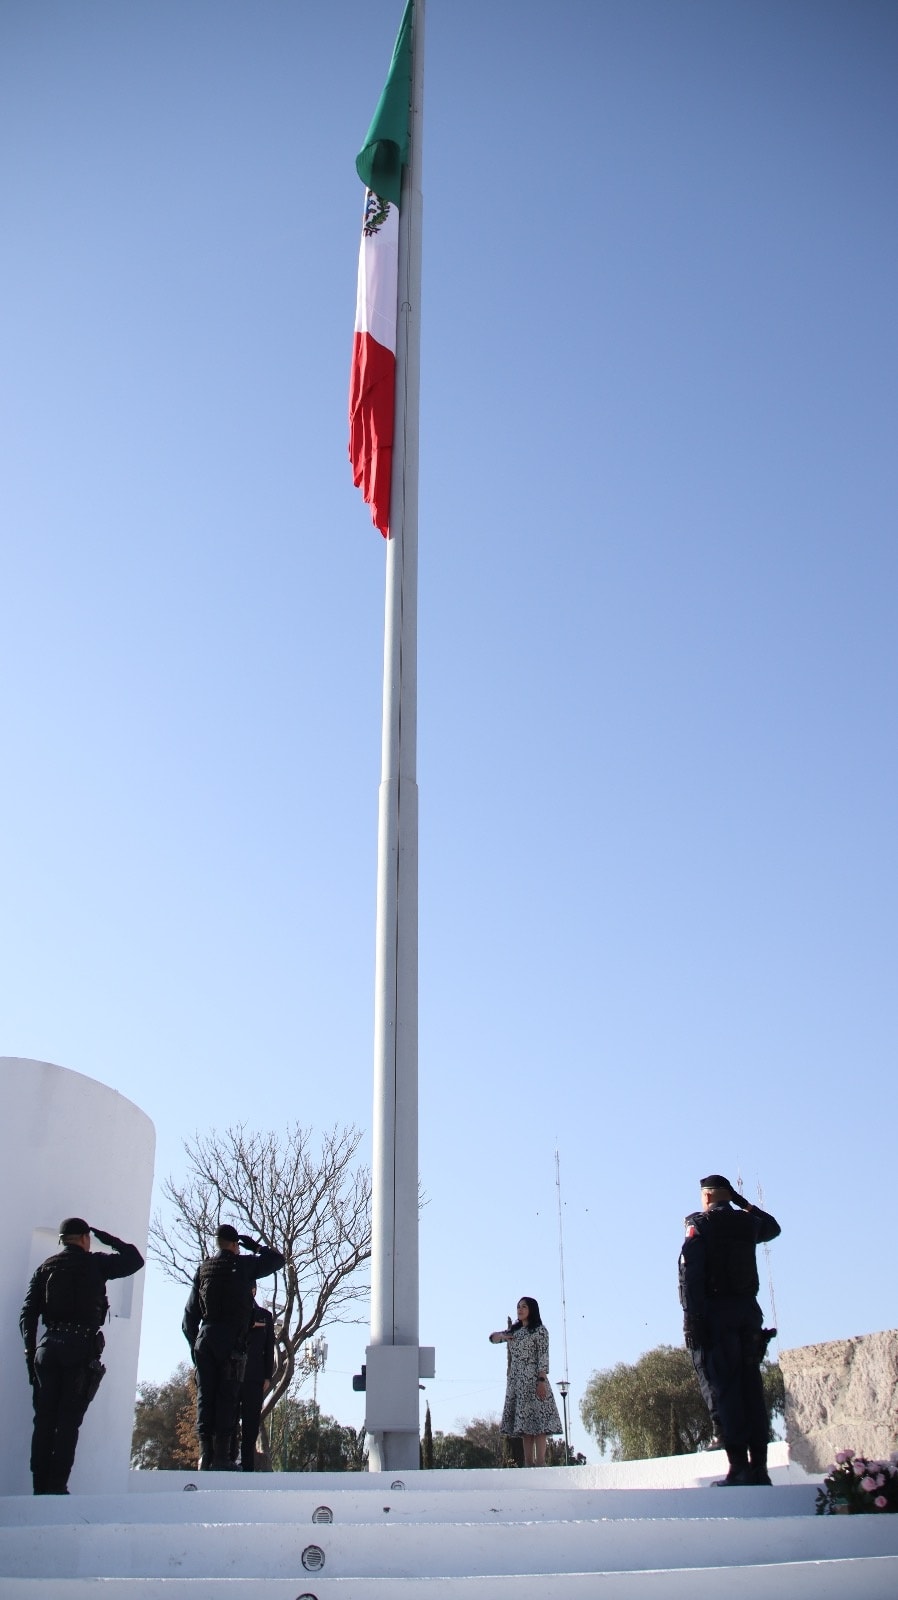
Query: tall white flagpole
x,y
393,1360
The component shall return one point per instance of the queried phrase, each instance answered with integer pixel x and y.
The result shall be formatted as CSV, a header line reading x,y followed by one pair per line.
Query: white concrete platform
x,y
639,1531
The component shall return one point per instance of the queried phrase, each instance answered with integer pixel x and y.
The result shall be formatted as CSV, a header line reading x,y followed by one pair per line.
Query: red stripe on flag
x,y
372,389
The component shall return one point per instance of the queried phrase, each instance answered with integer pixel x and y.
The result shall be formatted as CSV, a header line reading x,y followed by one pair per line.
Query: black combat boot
x,y
221,1453
740,1473
205,1461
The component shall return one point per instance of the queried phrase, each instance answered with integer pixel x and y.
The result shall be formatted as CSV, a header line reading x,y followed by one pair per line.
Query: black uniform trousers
x,y
219,1373
698,1363
734,1373
251,1394
61,1397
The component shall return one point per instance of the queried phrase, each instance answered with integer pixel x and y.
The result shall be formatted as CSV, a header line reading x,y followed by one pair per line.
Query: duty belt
x,y
70,1327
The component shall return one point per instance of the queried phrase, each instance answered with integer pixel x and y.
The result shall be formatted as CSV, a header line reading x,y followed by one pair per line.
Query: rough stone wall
x,y
841,1396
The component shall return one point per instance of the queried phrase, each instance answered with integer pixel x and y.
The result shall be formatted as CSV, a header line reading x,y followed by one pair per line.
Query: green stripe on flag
x,y
381,159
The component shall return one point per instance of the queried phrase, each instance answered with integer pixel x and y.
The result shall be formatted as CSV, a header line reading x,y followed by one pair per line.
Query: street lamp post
x,y
563,1388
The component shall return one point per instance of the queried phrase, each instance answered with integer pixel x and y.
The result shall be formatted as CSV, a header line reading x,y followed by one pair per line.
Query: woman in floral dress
x,y
530,1411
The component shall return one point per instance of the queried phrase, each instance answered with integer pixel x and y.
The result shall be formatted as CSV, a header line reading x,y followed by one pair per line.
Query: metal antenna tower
x,y
773,1314
564,1385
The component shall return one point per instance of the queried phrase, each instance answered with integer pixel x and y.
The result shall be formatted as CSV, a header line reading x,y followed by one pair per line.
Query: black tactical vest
x,y
72,1291
730,1264
224,1293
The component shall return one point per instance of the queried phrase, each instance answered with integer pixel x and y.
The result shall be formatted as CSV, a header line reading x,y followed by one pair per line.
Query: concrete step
x,y
421,1549
615,1531
503,1501
873,1578
673,1472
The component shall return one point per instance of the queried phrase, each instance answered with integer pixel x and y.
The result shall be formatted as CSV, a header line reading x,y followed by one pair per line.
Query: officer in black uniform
x,y
256,1380
216,1325
723,1321
68,1292
698,1361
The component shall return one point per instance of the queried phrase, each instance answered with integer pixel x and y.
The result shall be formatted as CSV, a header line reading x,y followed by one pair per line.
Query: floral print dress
x,y
523,1412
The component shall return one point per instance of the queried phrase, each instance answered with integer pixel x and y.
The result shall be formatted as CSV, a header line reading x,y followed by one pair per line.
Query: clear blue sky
x,y
658,591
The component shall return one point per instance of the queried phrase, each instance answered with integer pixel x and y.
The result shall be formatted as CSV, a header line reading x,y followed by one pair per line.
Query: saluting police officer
x,y
723,1321
698,1363
216,1325
256,1380
68,1292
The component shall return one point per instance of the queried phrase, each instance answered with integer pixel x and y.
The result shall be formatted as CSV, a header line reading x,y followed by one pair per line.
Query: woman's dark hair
x,y
535,1320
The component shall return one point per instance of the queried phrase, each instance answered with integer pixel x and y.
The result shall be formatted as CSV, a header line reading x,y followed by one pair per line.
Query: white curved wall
x,y
70,1146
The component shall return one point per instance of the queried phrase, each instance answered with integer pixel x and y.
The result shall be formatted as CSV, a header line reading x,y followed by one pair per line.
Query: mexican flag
x,y
372,382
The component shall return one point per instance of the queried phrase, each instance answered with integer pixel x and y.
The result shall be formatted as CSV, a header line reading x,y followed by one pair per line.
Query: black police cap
x,y
73,1225
226,1234
715,1180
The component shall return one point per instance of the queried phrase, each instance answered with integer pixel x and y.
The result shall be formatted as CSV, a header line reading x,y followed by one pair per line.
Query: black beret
x,y
73,1225
715,1180
226,1234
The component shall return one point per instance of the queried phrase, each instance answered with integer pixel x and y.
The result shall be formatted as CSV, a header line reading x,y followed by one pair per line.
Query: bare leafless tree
x,y
312,1202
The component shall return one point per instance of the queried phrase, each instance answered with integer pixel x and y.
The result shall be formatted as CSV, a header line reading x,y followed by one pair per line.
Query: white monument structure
x,y
71,1147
